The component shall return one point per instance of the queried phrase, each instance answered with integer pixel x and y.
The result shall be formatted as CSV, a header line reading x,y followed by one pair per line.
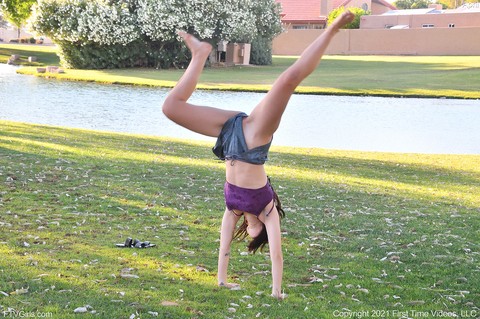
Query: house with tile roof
x,y
430,31
433,17
312,14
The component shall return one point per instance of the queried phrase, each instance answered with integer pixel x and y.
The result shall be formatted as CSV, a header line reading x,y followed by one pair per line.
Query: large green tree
x,y
17,11
126,33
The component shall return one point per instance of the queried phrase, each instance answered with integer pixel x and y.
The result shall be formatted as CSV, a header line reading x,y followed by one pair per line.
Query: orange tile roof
x,y
308,11
301,11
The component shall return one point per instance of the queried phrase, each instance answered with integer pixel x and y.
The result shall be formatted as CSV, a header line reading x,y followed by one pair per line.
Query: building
x,y
466,16
312,14
431,31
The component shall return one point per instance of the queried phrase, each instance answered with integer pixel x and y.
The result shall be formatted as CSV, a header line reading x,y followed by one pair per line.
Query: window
x,y
428,25
300,27
451,25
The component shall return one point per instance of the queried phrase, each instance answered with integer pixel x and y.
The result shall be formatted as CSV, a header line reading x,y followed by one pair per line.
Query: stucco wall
x,y
430,41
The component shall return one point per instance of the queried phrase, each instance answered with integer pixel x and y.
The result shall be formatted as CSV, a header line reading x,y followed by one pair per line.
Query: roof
x,y
400,26
412,11
306,11
469,7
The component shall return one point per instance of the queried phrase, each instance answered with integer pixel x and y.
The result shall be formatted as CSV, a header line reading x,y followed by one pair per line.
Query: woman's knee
x,y
291,78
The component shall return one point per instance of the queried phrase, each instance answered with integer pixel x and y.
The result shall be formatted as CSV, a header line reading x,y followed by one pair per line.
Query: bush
x,y
355,24
261,52
135,54
127,33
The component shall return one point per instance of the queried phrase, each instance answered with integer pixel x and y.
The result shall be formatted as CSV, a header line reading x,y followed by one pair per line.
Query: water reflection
x,y
350,123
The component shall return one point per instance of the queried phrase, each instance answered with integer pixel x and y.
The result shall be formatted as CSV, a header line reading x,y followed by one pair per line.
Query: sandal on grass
x,y
135,243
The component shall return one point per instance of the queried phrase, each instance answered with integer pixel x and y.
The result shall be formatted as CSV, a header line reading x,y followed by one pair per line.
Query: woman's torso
x,y
244,174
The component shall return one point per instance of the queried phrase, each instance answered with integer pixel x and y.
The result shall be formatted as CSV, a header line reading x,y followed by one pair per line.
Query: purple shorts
x,y
248,200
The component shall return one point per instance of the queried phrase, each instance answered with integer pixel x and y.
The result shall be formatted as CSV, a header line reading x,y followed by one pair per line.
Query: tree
x,y
3,23
412,4
268,25
123,33
355,24
17,11
453,4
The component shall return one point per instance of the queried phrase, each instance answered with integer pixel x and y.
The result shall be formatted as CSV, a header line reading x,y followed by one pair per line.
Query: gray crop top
x,y
231,144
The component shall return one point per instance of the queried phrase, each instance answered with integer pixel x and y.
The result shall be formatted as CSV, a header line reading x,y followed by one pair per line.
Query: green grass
x,y
364,231
46,54
406,76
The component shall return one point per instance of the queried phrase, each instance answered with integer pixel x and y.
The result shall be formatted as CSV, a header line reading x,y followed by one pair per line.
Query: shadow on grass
x,y
401,172
81,192
43,58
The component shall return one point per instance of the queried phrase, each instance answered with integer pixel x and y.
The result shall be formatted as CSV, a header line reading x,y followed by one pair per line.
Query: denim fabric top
x,y
231,144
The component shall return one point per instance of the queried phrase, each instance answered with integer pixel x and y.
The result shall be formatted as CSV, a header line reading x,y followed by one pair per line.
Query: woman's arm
x,y
226,234
272,224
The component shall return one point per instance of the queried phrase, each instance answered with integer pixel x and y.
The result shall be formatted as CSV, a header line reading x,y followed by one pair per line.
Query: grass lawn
x,y
45,54
381,233
406,76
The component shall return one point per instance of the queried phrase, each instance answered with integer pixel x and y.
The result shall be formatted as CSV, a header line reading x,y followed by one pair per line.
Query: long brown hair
x,y
262,239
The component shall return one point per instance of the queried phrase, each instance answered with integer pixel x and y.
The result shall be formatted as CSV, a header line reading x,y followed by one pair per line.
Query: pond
x,y
444,126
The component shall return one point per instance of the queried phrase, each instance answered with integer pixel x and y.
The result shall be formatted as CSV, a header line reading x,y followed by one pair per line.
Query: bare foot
x,y
197,47
343,19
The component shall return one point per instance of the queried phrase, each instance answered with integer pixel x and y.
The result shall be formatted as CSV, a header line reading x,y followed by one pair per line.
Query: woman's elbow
x,y
168,108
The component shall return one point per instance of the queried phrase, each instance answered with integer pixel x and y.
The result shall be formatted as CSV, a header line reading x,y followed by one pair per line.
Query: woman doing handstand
x,y
243,142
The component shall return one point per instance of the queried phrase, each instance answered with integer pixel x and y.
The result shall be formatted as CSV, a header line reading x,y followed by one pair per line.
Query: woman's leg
x,y
201,119
265,118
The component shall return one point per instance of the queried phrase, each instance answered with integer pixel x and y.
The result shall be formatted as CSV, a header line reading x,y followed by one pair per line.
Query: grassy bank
x,y
406,76
375,232
45,54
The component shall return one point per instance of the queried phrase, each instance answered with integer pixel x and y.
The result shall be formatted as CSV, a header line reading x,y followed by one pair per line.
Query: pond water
x,y
335,122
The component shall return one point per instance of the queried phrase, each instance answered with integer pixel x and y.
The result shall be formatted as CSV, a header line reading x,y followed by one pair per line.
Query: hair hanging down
x,y
262,239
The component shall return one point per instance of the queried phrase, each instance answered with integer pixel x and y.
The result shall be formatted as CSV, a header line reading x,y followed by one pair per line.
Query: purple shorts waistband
x,y
248,200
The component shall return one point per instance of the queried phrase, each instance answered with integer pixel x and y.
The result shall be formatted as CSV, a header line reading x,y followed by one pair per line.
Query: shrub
x,y
261,52
125,33
355,24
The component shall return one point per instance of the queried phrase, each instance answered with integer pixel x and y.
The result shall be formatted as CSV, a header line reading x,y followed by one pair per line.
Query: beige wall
x,y
432,41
